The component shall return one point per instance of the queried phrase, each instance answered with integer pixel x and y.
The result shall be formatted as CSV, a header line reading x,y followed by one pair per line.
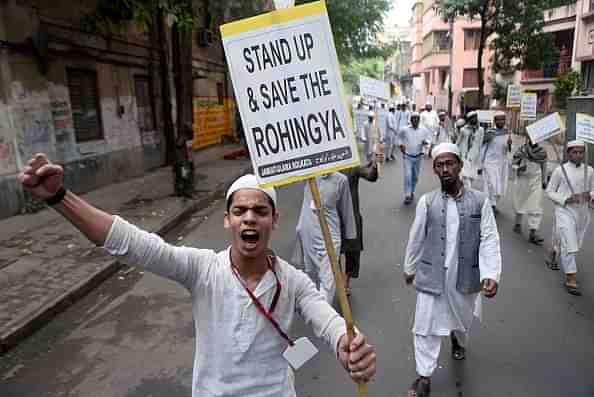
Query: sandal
x,y
552,264
573,289
421,387
458,352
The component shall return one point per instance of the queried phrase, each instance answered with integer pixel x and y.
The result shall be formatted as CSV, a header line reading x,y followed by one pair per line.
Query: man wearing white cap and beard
x,y
240,314
453,254
430,120
572,211
496,146
470,142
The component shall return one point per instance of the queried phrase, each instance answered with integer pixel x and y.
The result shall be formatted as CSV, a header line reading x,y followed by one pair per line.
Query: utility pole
x,y
450,93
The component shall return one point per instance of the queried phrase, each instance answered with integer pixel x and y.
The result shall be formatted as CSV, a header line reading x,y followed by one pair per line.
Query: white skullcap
x,y
249,181
415,114
442,113
499,114
371,114
460,123
576,143
472,114
445,147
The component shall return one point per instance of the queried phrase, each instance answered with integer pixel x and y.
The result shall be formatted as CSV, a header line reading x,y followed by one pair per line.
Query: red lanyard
x,y
258,304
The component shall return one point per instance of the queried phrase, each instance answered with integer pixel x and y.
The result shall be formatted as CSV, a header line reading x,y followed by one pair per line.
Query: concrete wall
x,y
35,107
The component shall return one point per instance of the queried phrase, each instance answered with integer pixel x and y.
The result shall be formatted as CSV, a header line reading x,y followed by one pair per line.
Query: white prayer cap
x,y
445,147
249,181
428,103
415,114
460,123
499,114
471,114
576,143
371,113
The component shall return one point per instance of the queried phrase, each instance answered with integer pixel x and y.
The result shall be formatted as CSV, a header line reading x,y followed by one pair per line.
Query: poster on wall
x,y
290,95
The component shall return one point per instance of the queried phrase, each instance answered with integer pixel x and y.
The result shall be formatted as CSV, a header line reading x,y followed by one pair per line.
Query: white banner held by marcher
x,y
374,88
485,116
545,128
280,4
289,91
528,106
584,127
514,96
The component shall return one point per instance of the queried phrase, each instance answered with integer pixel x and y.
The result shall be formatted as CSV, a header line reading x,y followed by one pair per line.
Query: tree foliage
x,y
370,67
355,25
111,15
566,85
512,26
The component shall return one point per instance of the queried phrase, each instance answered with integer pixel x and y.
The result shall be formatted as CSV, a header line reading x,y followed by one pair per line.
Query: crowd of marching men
x,y
453,255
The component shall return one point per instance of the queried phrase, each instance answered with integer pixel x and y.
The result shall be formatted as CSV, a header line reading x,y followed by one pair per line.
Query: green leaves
x,y
355,25
565,86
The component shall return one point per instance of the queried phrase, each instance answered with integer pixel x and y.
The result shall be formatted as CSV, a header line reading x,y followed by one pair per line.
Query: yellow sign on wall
x,y
212,121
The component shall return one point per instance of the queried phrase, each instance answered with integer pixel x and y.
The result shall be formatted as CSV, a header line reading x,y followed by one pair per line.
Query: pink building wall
x,y
432,68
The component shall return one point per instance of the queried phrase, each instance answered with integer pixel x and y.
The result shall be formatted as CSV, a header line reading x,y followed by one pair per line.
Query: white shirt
x,y
414,140
430,120
439,315
237,352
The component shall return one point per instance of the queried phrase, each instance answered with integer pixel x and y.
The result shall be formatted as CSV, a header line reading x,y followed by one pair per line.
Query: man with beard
x,y
572,210
413,141
496,146
430,119
530,166
310,247
470,142
240,314
391,133
452,254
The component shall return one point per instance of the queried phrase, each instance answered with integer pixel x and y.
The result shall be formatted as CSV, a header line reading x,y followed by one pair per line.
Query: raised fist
x,y
42,178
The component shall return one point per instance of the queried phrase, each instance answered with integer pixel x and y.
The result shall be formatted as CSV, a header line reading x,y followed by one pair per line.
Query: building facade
x,y
430,68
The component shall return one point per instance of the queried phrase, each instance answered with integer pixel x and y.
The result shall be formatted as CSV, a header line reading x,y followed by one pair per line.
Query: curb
x,y
38,318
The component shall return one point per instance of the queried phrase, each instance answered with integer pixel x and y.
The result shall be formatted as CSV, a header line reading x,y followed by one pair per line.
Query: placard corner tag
x,y
300,353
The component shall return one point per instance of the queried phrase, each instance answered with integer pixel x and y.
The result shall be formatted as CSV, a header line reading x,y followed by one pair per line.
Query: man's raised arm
x,y
45,180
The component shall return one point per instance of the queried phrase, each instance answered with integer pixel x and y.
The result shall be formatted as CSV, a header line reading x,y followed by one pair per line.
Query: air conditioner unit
x,y
204,37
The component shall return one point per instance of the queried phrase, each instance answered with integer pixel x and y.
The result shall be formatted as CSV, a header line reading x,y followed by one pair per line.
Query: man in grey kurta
x,y
452,254
336,200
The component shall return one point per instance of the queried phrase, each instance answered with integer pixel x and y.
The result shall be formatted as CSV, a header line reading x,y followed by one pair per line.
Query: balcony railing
x,y
549,70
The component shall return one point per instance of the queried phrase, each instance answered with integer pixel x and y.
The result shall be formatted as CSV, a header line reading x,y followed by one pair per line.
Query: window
x,y
146,119
470,78
472,39
588,76
84,98
442,40
221,93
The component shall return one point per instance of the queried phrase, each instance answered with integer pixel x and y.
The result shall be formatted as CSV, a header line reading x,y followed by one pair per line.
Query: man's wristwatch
x,y
56,198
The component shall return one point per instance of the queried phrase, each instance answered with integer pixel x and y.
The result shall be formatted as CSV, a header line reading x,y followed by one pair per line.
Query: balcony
x,y
549,71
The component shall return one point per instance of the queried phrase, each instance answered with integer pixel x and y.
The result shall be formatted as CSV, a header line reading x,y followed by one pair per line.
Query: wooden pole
x,y
585,163
340,287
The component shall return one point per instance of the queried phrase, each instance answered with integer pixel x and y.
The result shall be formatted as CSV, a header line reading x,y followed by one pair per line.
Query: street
x,y
133,336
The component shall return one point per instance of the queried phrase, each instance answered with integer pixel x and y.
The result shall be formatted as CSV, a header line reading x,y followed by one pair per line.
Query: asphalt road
x,y
133,336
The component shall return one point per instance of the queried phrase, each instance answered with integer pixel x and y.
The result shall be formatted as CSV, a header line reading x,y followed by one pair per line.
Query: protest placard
x,y
374,88
514,96
584,127
545,128
289,91
485,116
528,106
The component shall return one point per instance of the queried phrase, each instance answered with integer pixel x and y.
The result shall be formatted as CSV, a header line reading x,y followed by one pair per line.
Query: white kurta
x,y
430,121
439,315
237,351
311,250
496,167
571,220
470,143
442,135
527,190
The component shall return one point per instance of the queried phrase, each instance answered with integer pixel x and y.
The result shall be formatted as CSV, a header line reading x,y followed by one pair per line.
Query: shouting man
x,y
240,314
453,253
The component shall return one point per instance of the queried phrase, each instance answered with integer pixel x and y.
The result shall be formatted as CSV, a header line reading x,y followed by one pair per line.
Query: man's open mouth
x,y
250,236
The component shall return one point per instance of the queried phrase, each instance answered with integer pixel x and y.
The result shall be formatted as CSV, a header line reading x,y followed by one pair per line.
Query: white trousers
x,y
568,264
427,350
533,220
327,284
